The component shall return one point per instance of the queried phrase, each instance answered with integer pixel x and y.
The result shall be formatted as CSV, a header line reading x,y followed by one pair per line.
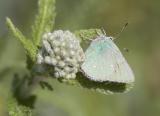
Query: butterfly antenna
x,y
118,35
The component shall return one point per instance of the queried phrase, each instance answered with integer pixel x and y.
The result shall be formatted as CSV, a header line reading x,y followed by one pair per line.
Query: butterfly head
x,y
111,38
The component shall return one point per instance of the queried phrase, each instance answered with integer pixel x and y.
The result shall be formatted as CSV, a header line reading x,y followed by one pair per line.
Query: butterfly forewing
x,y
104,62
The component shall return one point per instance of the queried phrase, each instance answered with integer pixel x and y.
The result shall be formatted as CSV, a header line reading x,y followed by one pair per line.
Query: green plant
x,y
44,22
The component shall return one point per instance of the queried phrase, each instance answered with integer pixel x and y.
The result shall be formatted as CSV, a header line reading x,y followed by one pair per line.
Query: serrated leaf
x,y
86,36
44,21
26,43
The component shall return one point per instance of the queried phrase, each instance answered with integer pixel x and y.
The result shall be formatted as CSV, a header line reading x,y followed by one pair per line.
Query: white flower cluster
x,y
62,50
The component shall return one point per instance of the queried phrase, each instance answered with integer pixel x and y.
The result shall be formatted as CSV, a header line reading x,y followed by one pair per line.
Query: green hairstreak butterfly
x,y
105,62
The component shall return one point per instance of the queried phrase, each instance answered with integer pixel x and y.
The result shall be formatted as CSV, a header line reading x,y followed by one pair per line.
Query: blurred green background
x,y
141,37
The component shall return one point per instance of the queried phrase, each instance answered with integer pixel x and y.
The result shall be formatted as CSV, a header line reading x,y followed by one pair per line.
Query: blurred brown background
x,y
141,37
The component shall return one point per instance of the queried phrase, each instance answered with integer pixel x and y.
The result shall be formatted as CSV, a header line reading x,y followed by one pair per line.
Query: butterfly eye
x,y
111,38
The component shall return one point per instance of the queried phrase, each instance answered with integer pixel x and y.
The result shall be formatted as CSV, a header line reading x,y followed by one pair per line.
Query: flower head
x,y
62,50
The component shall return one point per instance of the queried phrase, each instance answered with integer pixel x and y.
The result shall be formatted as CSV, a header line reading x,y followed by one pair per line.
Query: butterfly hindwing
x,y
104,62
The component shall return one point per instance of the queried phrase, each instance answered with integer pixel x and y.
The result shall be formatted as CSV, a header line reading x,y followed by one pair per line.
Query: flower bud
x,y
62,51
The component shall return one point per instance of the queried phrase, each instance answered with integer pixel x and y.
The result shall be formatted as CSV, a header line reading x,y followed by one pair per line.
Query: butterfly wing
x,y
104,62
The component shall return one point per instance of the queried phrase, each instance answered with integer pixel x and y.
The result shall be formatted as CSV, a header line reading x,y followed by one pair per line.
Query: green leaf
x,y
101,87
86,36
28,45
44,21
15,109
82,81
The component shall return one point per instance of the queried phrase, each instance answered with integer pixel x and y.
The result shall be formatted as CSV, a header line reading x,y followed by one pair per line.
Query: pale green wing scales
x,y
105,62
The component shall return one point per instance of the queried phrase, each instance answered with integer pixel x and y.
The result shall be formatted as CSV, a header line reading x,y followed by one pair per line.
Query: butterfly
x,y
105,62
